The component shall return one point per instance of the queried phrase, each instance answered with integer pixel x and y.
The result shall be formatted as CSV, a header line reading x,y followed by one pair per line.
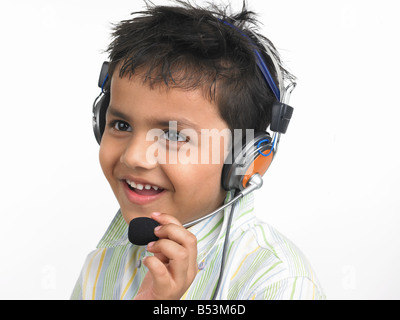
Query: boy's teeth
x,y
140,186
131,183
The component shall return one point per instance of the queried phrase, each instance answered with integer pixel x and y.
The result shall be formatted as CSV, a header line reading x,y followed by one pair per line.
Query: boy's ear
x,y
254,156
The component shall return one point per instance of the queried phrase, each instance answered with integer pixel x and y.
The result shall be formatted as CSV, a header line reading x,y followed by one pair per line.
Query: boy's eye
x,y
174,136
121,125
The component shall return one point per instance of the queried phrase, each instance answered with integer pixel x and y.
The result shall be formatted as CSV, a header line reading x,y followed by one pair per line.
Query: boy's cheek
x,y
107,158
190,178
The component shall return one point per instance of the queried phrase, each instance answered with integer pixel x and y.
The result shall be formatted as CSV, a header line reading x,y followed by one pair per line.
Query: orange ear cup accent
x,y
259,165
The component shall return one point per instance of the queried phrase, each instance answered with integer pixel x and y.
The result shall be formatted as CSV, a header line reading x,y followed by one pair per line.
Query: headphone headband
x,y
260,61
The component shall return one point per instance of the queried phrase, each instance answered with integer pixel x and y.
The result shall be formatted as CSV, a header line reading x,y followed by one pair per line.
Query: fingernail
x,y
150,244
157,228
156,213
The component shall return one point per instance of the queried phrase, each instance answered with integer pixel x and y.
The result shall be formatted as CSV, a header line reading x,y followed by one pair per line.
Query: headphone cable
x,y
224,250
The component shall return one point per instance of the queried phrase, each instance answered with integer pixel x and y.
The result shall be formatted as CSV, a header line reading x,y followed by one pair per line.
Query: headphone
x,y
247,157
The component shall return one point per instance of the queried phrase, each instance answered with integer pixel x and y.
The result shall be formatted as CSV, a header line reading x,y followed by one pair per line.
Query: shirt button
x,y
201,265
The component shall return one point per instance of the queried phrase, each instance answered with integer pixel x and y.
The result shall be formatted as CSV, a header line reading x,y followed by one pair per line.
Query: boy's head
x,y
192,48
180,64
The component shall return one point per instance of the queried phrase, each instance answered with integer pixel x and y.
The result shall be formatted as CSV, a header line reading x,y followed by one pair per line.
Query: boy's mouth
x,y
143,189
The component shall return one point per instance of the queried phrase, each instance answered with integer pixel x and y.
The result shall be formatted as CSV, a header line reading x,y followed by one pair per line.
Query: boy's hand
x,y
174,265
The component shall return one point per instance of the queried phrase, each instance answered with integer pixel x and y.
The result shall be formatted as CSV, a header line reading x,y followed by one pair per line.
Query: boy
x,y
176,73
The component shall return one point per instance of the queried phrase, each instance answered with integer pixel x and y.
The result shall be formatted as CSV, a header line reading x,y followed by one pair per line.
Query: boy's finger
x,y
164,218
184,238
159,273
178,234
161,257
173,230
178,258
170,249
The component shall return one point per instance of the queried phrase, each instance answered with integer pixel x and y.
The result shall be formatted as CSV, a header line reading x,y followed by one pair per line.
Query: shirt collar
x,y
116,234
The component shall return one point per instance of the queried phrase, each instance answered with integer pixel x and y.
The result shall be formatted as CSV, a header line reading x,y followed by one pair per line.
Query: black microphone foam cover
x,y
141,231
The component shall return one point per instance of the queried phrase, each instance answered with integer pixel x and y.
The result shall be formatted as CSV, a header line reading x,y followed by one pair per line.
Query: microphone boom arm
x,y
254,183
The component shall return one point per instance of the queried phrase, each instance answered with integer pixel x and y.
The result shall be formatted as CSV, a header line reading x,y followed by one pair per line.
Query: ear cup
x,y
100,106
103,75
101,103
241,165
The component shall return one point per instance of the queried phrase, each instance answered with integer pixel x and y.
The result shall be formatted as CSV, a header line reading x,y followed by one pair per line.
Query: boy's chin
x,y
129,214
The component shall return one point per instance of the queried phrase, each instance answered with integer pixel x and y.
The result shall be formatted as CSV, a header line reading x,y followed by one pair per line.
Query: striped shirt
x,y
260,263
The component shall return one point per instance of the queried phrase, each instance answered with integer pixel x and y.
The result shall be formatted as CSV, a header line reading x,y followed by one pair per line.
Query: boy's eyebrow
x,y
116,113
182,122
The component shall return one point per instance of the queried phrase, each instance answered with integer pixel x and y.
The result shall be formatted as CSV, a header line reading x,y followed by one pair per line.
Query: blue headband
x,y
260,62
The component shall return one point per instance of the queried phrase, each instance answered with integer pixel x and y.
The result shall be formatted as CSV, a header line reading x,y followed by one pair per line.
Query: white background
x,y
333,188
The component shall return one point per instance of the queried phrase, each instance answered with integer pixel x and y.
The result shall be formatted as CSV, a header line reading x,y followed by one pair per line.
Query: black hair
x,y
190,47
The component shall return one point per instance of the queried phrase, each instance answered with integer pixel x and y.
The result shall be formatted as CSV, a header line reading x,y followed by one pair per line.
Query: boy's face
x,y
186,180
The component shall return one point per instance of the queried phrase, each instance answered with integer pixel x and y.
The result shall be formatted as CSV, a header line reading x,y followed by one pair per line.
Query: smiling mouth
x,y
143,189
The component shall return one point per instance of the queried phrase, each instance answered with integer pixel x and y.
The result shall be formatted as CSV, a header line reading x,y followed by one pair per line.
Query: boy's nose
x,y
136,154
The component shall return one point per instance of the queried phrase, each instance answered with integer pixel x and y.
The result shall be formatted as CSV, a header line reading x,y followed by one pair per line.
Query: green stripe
x,y
112,272
293,289
213,229
266,241
246,212
272,267
114,233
